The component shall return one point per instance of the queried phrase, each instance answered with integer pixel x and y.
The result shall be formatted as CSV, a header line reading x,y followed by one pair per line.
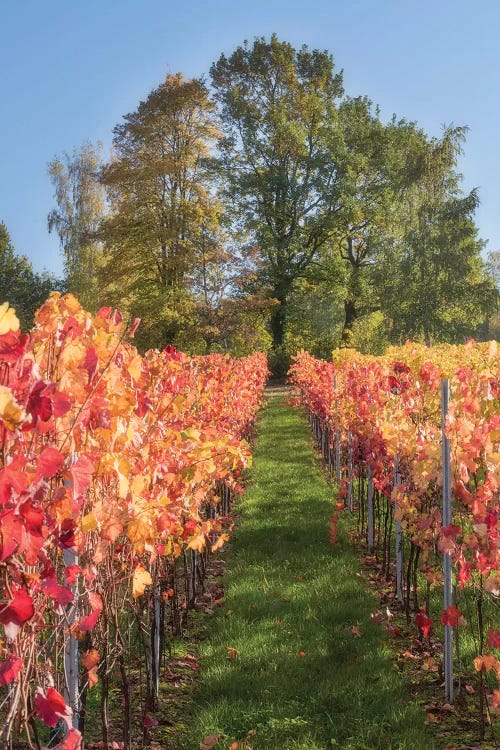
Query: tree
x,y
161,203
282,155
438,288
80,209
23,288
230,312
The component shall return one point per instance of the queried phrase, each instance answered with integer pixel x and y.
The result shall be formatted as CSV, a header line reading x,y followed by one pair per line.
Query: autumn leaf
x,y
89,621
141,579
50,462
494,638
452,616
81,476
90,660
487,663
210,741
11,413
231,652
9,669
51,707
356,631
61,594
71,573
424,623
16,612
8,319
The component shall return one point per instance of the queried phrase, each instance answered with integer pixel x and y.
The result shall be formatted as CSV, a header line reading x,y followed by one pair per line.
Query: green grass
x,y
288,592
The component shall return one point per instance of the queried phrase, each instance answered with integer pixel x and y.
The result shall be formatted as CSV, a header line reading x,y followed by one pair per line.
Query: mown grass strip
x,y
300,678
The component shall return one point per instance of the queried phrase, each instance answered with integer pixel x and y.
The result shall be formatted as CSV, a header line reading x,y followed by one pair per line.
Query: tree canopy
x,y
273,209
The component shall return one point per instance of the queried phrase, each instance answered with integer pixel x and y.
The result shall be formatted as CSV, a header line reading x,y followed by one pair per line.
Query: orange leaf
x,y
210,741
90,658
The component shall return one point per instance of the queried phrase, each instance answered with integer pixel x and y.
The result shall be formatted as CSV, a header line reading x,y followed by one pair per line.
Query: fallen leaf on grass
x,y
356,631
231,652
210,741
301,653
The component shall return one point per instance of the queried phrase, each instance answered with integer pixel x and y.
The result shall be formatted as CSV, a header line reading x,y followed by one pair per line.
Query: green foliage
x,y
370,333
315,223
20,285
281,155
438,288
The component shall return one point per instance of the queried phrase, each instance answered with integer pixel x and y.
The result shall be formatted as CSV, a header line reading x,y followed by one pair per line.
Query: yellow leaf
x,y
135,367
8,319
142,578
89,522
191,434
10,411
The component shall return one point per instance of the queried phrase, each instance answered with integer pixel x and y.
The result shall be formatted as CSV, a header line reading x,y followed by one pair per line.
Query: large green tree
x,y
433,283
282,155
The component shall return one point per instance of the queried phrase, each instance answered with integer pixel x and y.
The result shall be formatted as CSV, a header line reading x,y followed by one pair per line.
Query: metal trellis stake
x,y
399,540
447,519
371,536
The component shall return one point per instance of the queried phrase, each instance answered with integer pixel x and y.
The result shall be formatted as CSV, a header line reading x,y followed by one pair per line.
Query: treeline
x,y
267,208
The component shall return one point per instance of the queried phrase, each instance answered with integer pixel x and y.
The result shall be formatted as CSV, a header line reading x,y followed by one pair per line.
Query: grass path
x,y
301,679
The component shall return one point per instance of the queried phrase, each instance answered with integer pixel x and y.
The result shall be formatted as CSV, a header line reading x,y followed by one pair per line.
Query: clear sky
x,y
70,69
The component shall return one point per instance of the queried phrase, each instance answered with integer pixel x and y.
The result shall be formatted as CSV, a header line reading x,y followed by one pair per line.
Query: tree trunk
x,y
281,292
278,325
351,315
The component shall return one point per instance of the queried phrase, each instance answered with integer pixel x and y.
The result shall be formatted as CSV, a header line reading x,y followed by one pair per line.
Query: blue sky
x,y
70,69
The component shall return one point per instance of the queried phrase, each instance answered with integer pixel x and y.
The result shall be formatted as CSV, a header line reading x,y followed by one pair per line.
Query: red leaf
x,y
451,616
61,403
73,741
451,530
91,361
19,610
13,478
150,721
89,622
51,707
81,475
424,623
61,594
49,463
12,534
10,669
494,638
71,573
39,405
